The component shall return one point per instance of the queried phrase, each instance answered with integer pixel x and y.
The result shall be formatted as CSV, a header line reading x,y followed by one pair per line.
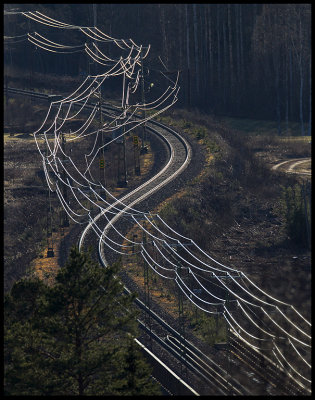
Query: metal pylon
x,y
102,162
122,164
181,326
228,346
136,155
64,216
147,297
144,134
50,244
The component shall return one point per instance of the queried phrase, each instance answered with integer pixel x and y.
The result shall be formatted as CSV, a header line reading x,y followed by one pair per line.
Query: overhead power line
x,y
175,254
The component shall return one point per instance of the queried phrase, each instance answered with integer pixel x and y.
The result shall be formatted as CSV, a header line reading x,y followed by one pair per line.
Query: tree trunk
x,y
243,81
225,81
278,106
210,72
181,66
165,47
197,91
310,100
218,50
237,28
206,39
291,83
241,44
287,84
180,36
79,355
188,57
301,100
300,62
231,63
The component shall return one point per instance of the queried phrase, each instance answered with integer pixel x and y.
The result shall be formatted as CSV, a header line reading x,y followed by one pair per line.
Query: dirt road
x,y
300,166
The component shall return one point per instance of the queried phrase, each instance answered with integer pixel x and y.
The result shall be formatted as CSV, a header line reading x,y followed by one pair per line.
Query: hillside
x,y
174,142
236,211
235,202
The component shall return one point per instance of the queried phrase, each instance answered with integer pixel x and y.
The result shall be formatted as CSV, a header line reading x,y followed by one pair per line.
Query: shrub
x,y
296,216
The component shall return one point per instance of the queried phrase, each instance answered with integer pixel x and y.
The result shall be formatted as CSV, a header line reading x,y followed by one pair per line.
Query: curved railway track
x,y
180,155
207,371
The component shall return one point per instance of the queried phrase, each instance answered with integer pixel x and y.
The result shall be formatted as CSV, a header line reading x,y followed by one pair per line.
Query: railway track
x,y
23,92
205,368
268,372
209,372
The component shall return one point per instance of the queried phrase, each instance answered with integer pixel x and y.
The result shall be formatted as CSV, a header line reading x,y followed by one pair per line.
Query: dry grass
x,y
134,267
46,268
161,293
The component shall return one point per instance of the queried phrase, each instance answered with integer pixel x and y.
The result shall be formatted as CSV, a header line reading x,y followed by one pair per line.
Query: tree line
x,y
245,60
75,337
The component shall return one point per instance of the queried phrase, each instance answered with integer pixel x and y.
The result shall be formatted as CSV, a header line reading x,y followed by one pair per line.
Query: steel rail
x,y
139,198
138,191
204,366
192,348
189,346
270,369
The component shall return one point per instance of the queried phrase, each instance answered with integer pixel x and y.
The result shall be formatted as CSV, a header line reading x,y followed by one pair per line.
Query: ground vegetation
x,y
75,337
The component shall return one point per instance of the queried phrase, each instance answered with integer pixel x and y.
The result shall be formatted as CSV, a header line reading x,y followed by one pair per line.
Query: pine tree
x,y
136,376
72,338
23,342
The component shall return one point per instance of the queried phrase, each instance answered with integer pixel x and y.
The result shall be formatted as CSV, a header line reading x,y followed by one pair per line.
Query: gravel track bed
x,y
219,356
192,170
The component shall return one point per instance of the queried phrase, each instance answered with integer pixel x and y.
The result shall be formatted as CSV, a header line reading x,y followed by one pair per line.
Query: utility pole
x,y
181,322
143,148
136,155
64,215
136,151
122,180
102,163
50,250
102,153
95,23
122,170
125,161
147,302
50,245
30,63
227,299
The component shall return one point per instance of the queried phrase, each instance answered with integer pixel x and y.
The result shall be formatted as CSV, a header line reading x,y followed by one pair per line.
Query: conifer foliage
x,y
74,338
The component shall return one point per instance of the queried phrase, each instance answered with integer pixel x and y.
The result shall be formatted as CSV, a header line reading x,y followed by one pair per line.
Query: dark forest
x,y
240,60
